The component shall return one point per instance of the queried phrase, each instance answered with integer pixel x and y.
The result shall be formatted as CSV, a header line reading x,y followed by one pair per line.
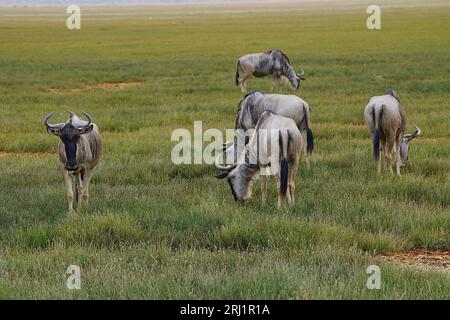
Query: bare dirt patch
x,y
113,85
104,85
420,259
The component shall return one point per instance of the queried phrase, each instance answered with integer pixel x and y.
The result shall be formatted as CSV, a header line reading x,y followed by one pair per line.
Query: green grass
x,y
157,230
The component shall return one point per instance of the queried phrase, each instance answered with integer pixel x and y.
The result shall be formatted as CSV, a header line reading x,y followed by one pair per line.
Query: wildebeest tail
x,y
376,137
376,145
309,141
284,167
284,176
237,73
309,134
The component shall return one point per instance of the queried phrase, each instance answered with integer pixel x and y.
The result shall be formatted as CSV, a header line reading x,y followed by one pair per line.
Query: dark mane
x,y
266,114
251,92
285,56
238,112
239,108
392,93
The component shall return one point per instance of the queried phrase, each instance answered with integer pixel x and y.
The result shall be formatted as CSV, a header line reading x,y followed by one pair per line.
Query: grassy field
x,y
157,230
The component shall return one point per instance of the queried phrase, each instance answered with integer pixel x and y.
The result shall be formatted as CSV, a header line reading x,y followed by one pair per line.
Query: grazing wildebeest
x,y
272,62
386,120
255,103
275,143
79,152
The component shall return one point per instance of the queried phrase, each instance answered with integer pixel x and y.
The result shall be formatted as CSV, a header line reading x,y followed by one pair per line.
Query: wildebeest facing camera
x,y
325,123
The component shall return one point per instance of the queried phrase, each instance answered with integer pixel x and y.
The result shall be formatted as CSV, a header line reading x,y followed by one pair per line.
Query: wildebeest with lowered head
x,y
253,105
272,62
386,120
275,143
79,151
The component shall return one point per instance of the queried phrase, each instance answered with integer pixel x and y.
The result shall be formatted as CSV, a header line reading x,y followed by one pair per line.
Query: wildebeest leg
x,y
247,71
263,188
275,79
388,157
292,174
277,177
242,82
80,187
69,190
86,181
397,155
305,150
288,194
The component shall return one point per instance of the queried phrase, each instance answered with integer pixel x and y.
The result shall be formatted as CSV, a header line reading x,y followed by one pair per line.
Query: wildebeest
x,y
79,151
252,106
386,120
272,62
276,144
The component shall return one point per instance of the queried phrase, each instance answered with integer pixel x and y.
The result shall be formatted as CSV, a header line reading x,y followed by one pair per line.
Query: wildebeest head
x,y
70,136
404,147
296,80
237,185
240,179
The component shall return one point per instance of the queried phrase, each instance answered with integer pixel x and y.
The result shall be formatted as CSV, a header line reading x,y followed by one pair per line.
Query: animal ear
x,y
87,129
54,131
301,76
222,175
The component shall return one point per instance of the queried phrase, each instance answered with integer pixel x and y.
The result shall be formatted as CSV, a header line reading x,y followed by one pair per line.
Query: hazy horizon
x,y
142,2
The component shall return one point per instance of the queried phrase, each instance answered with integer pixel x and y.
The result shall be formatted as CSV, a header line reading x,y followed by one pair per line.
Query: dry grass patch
x,y
421,259
23,154
103,85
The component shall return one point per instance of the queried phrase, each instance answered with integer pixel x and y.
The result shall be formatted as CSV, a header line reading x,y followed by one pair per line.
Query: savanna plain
x,y
156,230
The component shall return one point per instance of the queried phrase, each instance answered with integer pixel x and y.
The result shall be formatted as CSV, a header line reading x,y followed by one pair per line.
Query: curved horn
x,y
301,75
88,117
46,120
228,167
411,136
54,129
86,126
52,126
418,132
